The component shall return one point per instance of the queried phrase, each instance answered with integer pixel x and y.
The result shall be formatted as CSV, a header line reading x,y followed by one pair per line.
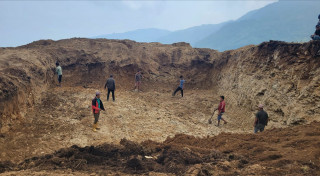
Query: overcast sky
x,y
22,22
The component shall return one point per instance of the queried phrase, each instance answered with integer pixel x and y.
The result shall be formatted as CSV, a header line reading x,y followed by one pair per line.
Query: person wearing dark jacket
x,y
110,84
316,35
261,120
97,106
138,77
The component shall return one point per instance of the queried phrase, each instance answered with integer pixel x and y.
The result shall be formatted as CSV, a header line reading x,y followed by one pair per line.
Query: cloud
x,y
134,5
142,5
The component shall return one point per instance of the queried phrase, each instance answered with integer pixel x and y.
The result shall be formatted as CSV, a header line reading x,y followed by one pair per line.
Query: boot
x,y
94,127
97,126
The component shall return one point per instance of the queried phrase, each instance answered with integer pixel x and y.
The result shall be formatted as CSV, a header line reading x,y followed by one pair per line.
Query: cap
x,y
260,106
97,93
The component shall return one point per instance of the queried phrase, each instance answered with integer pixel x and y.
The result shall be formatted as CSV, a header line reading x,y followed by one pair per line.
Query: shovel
x,y
210,120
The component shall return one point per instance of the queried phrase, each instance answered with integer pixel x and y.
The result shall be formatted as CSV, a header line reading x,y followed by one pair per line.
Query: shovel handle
x,y
210,120
213,113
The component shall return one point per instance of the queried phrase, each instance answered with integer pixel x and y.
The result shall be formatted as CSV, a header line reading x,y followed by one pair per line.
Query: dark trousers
x,y
259,127
109,90
179,88
96,117
59,78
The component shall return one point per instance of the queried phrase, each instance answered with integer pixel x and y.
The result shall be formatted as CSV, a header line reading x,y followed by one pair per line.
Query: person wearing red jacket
x,y
221,108
97,106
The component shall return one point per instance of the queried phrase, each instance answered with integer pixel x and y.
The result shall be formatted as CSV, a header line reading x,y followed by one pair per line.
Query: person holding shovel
x,y
221,108
97,106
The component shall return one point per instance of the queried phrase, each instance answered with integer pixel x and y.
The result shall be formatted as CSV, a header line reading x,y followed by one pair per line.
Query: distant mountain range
x,y
189,35
291,21
140,35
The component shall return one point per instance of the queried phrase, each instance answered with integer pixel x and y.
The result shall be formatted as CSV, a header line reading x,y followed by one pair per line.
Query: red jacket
x,y
95,106
222,106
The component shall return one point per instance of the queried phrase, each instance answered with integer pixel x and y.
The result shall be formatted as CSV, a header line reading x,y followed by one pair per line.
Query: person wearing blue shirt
x,y
180,87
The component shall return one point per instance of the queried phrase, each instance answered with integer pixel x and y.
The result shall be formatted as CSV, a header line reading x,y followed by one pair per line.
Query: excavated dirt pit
x,y
47,130
63,119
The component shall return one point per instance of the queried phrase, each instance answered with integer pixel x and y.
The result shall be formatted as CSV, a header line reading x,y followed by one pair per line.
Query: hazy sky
x,y
22,22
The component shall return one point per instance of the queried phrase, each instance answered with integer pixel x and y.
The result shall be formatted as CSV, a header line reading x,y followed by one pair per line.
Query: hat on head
x,y
260,106
97,93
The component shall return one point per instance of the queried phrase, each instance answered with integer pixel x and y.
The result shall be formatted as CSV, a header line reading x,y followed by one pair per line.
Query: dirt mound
x,y
273,152
125,158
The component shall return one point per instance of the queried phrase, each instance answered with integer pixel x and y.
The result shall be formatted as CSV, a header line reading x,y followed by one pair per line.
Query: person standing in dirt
x,y
59,73
97,106
221,109
261,120
110,84
180,87
138,78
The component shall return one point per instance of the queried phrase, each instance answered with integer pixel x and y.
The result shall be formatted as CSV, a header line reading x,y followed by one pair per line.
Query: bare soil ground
x,y
63,119
47,130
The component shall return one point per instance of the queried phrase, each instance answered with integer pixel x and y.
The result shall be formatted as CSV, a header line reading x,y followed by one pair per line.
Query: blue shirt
x,y
181,83
98,100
